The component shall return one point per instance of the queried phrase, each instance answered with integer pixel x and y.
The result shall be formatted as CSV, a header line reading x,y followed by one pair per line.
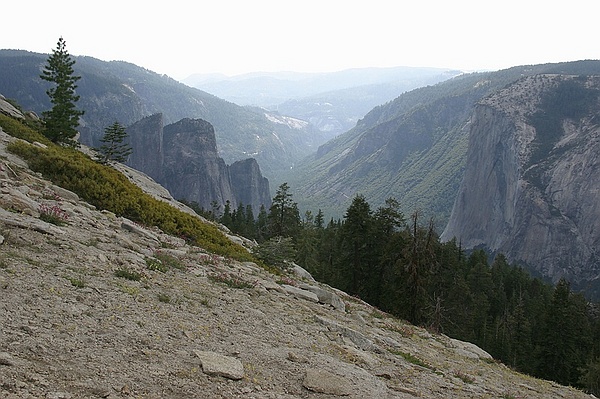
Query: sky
x,y
180,38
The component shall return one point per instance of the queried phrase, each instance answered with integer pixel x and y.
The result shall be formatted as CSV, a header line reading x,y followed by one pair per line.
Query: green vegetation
x,y
162,262
108,189
230,280
413,359
569,100
25,130
62,120
77,282
53,214
164,298
128,274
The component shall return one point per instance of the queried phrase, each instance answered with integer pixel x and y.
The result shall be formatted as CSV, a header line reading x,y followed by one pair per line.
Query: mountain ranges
x,y
489,156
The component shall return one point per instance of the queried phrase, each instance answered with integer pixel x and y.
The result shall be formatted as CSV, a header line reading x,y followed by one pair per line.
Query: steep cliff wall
x,y
248,185
192,168
146,138
183,157
532,178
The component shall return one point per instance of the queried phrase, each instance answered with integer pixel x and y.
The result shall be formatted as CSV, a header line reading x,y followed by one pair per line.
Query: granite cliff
x,y
183,157
531,180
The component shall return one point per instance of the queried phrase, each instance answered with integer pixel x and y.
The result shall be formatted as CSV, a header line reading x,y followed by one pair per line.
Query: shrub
x,y
20,130
277,251
77,282
164,298
156,265
169,261
128,274
53,214
231,280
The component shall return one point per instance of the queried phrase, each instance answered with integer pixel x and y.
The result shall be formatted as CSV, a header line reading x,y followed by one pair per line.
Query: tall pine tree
x,y
62,120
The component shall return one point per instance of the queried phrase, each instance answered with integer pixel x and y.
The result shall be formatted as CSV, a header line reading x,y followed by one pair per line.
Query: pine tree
x,y
62,120
356,246
284,216
113,148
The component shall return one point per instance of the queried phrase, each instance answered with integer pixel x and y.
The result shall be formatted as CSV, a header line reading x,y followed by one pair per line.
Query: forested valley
x,y
398,264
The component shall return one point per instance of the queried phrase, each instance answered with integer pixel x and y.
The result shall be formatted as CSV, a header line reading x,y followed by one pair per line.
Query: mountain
x,y
531,179
123,92
183,157
101,307
413,148
332,102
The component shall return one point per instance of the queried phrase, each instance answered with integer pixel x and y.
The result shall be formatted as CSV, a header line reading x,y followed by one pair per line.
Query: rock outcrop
x,y
183,157
531,181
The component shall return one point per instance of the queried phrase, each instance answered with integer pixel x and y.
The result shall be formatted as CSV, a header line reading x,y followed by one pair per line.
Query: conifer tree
x,y
113,148
62,120
356,246
284,216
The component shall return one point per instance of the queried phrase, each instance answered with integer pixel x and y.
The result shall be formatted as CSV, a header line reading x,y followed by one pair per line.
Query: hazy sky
x,y
179,38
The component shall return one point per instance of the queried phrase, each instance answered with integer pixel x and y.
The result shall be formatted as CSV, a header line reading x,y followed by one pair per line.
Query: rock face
x,y
146,139
192,168
531,181
183,157
248,185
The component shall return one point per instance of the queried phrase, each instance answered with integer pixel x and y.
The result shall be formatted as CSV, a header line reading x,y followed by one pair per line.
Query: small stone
x,y
6,359
294,357
219,365
322,381
58,395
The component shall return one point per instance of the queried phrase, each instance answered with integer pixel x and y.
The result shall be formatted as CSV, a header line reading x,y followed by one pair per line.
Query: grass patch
x,y
467,379
162,262
412,359
53,214
77,282
164,298
128,274
230,280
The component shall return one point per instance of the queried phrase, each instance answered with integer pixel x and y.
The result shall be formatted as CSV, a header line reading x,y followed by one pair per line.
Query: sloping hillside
x,y
95,306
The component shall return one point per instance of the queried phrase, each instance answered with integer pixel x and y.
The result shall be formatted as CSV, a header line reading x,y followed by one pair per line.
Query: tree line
x,y
399,265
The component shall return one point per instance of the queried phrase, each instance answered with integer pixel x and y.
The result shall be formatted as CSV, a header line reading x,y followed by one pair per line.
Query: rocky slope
x,y
100,307
531,182
183,157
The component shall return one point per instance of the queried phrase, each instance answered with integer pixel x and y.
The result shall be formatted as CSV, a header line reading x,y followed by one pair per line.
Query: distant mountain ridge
x,y
125,92
412,148
333,101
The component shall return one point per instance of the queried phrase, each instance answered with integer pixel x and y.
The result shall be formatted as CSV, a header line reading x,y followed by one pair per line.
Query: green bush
x,y
20,130
128,274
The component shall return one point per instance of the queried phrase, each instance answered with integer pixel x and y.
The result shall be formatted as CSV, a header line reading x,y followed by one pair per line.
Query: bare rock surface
x,y
71,326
